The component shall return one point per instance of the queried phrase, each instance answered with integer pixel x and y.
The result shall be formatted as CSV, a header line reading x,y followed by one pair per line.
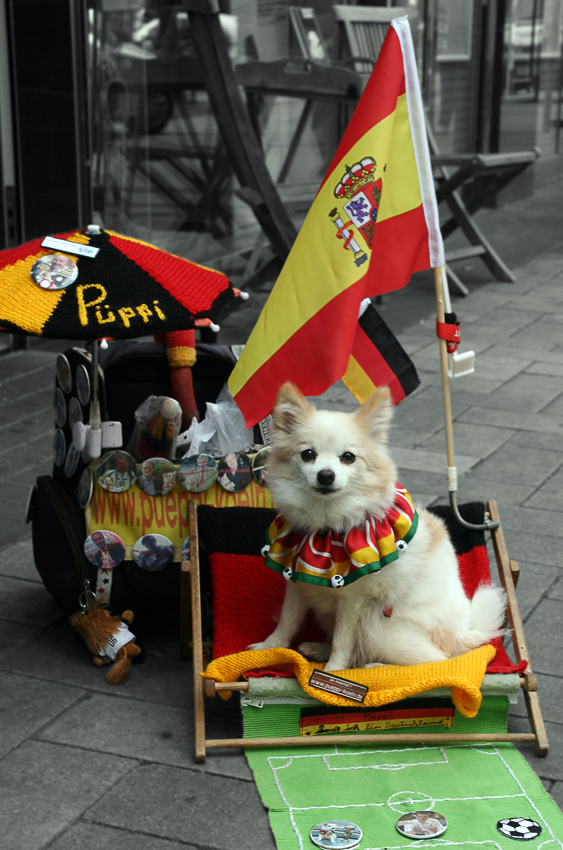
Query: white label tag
x,y
70,247
337,685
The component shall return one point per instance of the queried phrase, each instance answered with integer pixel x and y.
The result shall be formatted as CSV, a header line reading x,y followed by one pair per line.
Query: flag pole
x,y
442,294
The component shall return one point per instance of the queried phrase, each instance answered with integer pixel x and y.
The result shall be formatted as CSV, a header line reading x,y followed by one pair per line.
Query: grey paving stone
x,y
46,787
405,439
26,704
542,550
556,591
545,369
501,418
542,522
417,482
27,602
495,367
17,562
547,330
529,466
536,579
14,636
556,794
550,694
61,655
183,805
477,441
530,393
554,408
550,767
550,495
537,353
30,426
506,317
92,836
420,413
474,488
537,300
538,440
147,731
427,461
544,637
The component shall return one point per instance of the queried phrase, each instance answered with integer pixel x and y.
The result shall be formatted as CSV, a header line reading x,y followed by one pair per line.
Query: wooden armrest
x,y
486,160
297,77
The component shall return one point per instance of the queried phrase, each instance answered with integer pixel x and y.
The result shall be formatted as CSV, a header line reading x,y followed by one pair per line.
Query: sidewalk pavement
x,y
86,764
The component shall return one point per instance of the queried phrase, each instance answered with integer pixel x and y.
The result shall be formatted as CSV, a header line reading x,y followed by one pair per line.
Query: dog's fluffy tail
x,y
488,609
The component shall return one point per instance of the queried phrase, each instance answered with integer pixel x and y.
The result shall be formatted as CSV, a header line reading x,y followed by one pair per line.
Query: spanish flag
x,y
373,223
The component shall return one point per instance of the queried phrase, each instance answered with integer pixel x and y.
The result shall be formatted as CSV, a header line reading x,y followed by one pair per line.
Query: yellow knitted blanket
x,y
389,683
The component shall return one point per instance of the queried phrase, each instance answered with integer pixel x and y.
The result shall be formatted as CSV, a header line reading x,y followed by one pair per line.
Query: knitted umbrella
x,y
128,289
96,284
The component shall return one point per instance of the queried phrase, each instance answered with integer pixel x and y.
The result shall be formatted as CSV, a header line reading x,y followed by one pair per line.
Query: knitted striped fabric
x,y
130,289
247,597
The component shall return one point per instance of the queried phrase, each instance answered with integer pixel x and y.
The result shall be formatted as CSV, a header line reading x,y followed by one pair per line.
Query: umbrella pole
x,y
443,305
95,436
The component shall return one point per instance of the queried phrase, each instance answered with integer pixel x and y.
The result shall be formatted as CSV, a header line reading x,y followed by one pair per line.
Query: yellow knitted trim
x,y
22,301
83,238
180,356
390,683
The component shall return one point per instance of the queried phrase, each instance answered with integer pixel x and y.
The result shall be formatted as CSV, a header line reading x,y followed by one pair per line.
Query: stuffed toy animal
x,y
108,638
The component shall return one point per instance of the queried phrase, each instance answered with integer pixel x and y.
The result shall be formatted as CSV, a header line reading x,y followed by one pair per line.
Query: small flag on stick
x,y
373,223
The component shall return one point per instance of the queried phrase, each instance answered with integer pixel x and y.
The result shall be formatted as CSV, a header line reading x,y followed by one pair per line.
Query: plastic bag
x,y
222,430
158,422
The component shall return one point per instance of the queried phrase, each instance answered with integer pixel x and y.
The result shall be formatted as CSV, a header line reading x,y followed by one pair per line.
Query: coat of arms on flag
x,y
359,194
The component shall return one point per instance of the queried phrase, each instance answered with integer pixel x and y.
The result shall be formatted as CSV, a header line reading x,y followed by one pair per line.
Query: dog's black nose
x,y
325,477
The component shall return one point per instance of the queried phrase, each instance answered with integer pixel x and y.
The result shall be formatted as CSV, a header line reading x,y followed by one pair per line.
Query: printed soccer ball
x,y
401,546
337,581
287,573
520,829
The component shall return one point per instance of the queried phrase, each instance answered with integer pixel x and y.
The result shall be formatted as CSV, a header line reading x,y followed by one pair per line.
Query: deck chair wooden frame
x,y
362,30
508,573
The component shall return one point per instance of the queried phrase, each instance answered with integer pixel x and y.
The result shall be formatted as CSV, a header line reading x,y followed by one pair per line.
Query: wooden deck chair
x,y
362,30
240,607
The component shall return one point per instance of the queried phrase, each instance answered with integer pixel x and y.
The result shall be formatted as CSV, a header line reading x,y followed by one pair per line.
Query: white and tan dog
x,y
329,472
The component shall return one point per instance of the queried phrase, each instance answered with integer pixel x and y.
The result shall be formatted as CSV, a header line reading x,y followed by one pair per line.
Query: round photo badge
x,y
198,472
59,447
519,829
71,462
54,271
336,833
104,549
156,476
235,471
259,466
64,375
422,824
116,471
153,552
60,407
85,488
82,379
74,412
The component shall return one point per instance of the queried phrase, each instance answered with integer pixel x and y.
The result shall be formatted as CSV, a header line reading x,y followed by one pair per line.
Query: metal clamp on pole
x,y
487,525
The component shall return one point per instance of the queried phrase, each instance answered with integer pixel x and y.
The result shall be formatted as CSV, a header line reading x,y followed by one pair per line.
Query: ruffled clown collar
x,y
335,559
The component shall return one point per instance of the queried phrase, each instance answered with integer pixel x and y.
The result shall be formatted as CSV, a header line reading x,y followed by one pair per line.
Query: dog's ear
x,y
375,414
291,407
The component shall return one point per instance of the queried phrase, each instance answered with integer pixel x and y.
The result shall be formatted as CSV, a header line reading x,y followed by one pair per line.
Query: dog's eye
x,y
347,457
308,456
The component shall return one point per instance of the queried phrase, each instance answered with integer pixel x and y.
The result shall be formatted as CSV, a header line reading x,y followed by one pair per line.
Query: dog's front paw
x,y
261,645
315,651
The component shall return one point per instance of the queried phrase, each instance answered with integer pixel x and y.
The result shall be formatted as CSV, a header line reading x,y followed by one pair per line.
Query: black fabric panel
x,y
239,531
462,538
